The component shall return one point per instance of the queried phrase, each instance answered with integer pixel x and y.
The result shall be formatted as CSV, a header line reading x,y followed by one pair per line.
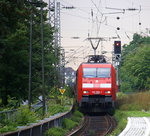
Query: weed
x,y
78,114
136,101
69,124
56,131
25,116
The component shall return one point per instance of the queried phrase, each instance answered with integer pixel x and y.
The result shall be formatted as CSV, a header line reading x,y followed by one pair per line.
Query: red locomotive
x,y
96,85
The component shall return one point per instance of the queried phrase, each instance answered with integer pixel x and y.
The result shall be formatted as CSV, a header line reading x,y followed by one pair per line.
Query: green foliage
x,y
7,128
131,105
25,116
135,101
78,114
57,108
121,95
14,53
121,117
69,124
137,114
12,102
76,119
22,118
69,91
56,131
135,70
54,92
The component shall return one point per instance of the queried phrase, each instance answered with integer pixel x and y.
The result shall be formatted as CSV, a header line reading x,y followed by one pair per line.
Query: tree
x,y
14,49
14,53
135,69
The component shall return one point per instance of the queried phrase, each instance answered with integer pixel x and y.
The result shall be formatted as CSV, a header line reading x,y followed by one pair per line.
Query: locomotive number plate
x,y
96,92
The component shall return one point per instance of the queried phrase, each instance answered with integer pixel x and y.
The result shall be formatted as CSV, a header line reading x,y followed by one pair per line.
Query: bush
x,y
69,124
7,128
75,119
78,114
25,116
56,131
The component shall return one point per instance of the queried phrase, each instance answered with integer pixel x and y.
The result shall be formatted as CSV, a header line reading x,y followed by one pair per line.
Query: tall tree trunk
x,y
4,97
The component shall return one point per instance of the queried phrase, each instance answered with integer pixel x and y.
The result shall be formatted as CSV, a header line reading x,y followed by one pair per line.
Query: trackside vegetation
x,y
67,125
133,105
14,51
24,117
135,82
135,69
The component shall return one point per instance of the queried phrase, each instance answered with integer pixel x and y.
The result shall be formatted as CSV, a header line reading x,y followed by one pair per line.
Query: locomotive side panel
x,y
79,84
114,86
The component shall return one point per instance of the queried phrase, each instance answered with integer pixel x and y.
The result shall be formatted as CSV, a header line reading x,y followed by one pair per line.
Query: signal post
x,y
116,59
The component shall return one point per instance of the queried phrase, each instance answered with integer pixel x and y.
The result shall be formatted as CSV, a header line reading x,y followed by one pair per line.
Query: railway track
x,y
96,126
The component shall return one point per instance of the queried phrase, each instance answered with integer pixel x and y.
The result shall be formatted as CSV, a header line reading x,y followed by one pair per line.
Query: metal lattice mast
x,y
52,13
58,43
54,21
57,27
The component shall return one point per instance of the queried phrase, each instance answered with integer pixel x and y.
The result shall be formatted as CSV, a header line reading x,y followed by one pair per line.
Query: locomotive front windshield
x,y
96,72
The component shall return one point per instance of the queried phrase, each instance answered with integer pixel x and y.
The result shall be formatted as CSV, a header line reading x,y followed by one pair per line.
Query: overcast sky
x,y
100,18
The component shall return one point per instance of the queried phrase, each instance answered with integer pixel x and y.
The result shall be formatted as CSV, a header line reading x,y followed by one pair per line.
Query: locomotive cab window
x,y
89,72
96,72
103,72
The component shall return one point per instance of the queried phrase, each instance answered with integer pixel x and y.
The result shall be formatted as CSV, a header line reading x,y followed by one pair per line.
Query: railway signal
x,y
117,47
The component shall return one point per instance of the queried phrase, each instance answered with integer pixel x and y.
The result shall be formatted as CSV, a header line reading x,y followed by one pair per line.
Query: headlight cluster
x,y
85,92
107,92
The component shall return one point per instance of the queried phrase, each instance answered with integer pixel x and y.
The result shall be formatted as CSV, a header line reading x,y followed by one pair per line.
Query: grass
x,y
136,101
133,105
56,131
67,125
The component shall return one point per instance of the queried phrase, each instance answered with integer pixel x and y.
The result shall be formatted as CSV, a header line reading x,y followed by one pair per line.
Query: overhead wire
x,y
82,17
72,57
77,52
97,20
126,16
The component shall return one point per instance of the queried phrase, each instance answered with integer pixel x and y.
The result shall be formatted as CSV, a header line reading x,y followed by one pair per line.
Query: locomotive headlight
x,y
108,92
85,92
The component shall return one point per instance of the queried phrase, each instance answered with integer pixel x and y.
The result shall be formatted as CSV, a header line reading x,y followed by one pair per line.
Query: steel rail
x,y
107,121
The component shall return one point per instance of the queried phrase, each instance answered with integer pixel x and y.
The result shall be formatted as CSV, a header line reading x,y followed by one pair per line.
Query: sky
x,y
100,18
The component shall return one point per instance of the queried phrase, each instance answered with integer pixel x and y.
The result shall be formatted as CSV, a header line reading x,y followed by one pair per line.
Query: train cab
x,y
96,84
